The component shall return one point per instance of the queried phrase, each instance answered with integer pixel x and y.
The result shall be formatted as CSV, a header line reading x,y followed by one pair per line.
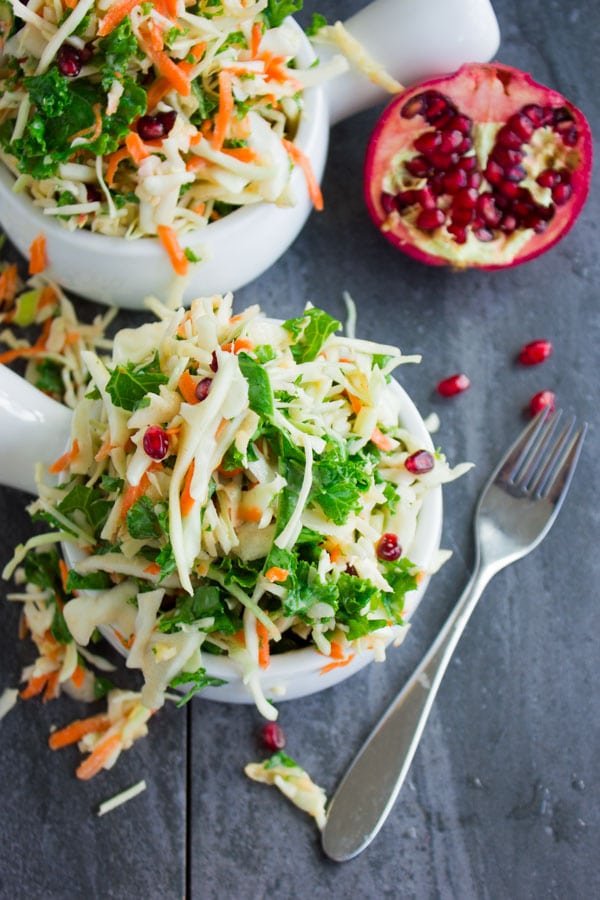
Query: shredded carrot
x,y
170,70
115,15
187,386
229,473
250,513
338,663
35,686
303,161
78,676
125,642
255,39
71,4
239,637
171,7
104,451
51,691
195,163
243,154
133,493
275,573
73,733
8,283
355,403
224,111
335,552
136,148
85,132
381,440
186,499
155,36
153,569
196,52
156,92
199,209
37,255
238,345
263,645
64,573
60,464
99,756
113,161
170,242
337,651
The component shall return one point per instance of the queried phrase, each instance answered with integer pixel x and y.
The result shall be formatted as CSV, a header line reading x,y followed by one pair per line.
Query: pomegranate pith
x,y
482,168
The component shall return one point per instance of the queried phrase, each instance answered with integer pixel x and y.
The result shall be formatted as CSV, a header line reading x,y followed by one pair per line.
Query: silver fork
x,y
516,508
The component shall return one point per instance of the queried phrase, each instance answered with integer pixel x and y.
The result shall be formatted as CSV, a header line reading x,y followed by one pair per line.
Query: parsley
x,y
42,569
94,581
278,10
142,520
205,602
281,759
101,687
128,385
318,21
310,332
88,502
198,681
117,48
338,483
49,377
260,393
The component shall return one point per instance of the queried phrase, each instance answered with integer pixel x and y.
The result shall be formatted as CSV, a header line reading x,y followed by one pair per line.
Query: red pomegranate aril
x,y
214,362
509,189
150,128
272,736
451,140
203,388
535,352
155,442
69,61
561,193
462,216
521,126
542,400
455,180
425,198
487,209
93,193
404,199
428,141
467,163
388,202
474,180
461,123
436,183
514,173
539,115
388,547
419,462
430,219
465,145
506,157
436,108
454,384
506,137
536,223
483,234
466,199
443,161
508,223
548,178
494,172
167,119
458,232
570,137
418,166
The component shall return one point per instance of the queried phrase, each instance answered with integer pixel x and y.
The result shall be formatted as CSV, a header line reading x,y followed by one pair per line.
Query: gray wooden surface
x,y
503,799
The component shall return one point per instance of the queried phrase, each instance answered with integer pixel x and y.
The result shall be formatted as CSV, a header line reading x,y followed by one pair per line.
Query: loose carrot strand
x,y
156,92
238,345
135,147
78,676
34,686
187,386
224,111
275,573
264,652
99,756
64,461
113,161
37,255
170,242
73,733
338,663
303,161
381,440
186,499
133,493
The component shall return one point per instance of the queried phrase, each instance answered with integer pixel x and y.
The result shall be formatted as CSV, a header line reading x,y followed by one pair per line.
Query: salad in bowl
x,y
249,507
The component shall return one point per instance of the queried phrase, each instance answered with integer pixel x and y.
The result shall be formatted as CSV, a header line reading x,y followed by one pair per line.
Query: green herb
x,y
278,10
264,353
87,502
260,393
281,759
128,385
94,581
338,483
198,679
310,332
49,377
191,256
318,21
142,520
102,686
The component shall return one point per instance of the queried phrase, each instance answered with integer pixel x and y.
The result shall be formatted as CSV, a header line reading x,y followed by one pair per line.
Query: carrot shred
x,y
238,345
35,686
115,16
303,161
337,651
37,255
71,4
355,403
275,573
224,111
170,70
186,499
264,652
250,513
187,386
78,676
85,132
133,493
381,440
40,345
104,451
153,569
135,147
338,663
157,91
170,242
99,756
196,52
64,573
255,39
113,161
73,733
51,691
8,283
60,464
243,154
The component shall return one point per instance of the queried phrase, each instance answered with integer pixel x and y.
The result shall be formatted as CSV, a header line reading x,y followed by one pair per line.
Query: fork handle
x,y
369,789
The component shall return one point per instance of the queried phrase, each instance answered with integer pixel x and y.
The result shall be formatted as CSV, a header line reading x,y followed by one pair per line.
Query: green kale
x,y
49,377
94,581
128,385
260,393
205,602
117,49
310,332
338,483
88,502
142,520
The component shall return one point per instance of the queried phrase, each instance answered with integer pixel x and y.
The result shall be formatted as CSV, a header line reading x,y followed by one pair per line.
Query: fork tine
x,y
533,459
556,489
521,448
550,460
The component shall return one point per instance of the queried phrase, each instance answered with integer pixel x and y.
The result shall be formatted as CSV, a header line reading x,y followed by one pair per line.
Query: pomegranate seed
x,y
521,126
514,173
388,547
459,233
419,462
214,362
202,388
156,442
507,138
467,163
561,193
506,157
454,384
418,166
404,199
542,400
436,183
466,199
487,209
465,145
461,123
168,120
388,202
483,234
561,114
474,180
570,136
436,108
272,736
451,140
536,223
150,128
455,180
425,198
539,115
93,193
535,352
414,107
548,178
462,216
508,223
443,161
428,141
509,188
494,172
430,219
68,60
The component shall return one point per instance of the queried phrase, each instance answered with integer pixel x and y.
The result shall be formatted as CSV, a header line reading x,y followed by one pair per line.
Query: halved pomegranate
x,y
482,168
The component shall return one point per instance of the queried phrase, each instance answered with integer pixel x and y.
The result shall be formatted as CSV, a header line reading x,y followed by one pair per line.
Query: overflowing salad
x,y
155,117
239,486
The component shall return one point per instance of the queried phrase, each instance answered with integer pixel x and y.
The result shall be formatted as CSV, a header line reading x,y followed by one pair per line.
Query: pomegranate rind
x,y
486,93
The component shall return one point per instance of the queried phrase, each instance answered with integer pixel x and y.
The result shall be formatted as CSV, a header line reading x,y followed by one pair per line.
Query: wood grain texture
x,y
503,800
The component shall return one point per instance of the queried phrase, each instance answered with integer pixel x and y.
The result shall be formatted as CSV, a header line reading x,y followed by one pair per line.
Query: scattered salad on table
x,y
233,485
155,117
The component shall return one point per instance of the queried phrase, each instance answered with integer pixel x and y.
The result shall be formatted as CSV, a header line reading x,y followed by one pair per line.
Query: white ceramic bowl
x,y
410,40
34,428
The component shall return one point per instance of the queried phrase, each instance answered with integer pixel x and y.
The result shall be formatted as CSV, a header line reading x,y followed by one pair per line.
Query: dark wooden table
x,y
503,799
